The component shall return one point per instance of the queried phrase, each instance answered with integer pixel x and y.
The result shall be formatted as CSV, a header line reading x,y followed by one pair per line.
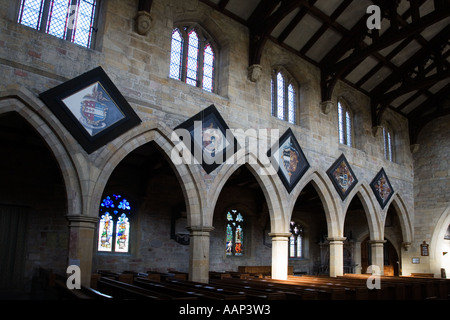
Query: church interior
x,y
225,149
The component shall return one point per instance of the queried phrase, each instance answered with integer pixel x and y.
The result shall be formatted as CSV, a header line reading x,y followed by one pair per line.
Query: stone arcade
x,y
311,71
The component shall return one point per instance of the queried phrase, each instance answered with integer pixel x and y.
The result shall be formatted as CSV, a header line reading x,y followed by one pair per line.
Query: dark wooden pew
x,y
126,291
204,291
291,293
222,286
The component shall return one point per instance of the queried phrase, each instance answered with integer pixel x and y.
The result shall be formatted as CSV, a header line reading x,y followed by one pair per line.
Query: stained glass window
x,y
283,91
192,58
345,125
296,241
114,225
234,234
72,20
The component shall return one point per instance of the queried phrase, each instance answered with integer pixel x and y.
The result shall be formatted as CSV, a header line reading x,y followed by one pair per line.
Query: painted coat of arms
x,y
342,176
94,108
91,108
382,188
291,161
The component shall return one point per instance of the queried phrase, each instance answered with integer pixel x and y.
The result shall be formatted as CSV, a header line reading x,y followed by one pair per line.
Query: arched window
x,y
388,139
72,20
114,225
234,233
296,241
345,124
284,96
192,58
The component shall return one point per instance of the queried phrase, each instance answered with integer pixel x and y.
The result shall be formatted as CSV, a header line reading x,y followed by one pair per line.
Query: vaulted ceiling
x,y
404,65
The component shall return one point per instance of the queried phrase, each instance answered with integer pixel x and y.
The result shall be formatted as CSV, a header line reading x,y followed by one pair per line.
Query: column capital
x,y
377,242
280,236
336,239
200,230
82,221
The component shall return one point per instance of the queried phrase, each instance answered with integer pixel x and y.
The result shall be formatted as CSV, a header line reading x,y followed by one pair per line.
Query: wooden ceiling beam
x,y
411,63
344,5
389,38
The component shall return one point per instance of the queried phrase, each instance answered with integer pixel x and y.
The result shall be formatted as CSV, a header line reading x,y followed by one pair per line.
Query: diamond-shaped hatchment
x,y
290,160
382,188
342,176
211,141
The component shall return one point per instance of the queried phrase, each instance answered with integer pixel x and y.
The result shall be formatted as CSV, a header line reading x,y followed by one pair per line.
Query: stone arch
x,y
436,242
321,184
362,191
274,197
148,133
404,217
42,120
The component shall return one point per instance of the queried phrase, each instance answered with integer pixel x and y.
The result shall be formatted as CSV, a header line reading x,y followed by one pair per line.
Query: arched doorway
x,y
33,206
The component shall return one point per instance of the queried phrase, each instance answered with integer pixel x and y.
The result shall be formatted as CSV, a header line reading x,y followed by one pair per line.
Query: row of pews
x,y
226,286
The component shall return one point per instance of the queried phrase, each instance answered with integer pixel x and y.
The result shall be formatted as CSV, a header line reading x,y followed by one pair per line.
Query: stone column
x,y
199,253
336,256
280,246
377,249
81,244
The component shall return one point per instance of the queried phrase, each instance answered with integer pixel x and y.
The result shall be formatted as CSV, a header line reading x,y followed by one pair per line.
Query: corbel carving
x,y
254,72
326,106
143,22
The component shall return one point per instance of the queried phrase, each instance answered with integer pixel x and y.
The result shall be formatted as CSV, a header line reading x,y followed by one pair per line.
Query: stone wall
x,y
431,195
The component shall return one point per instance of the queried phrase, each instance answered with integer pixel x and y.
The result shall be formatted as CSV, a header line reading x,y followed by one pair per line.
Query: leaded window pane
x,y
192,59
176,55
291,103
280,96
208,68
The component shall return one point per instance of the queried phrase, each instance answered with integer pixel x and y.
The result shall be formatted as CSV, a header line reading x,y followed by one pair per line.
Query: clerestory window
x,y
71,20
193,58
345,120
388,144
284,96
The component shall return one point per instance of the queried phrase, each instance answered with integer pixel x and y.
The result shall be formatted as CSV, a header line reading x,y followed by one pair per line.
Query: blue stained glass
x,y
107,203
125,205
114,229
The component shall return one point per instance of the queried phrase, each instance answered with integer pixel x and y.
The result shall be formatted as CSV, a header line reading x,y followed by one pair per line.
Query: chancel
x,y
330,118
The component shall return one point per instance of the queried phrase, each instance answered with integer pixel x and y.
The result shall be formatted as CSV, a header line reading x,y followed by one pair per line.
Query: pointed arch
x,y
436,241
36,114
187,176
320,183
362,191
404,217
265,178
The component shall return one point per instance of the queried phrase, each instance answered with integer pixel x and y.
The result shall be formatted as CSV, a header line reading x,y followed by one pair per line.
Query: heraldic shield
x,y
290,159
92,108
